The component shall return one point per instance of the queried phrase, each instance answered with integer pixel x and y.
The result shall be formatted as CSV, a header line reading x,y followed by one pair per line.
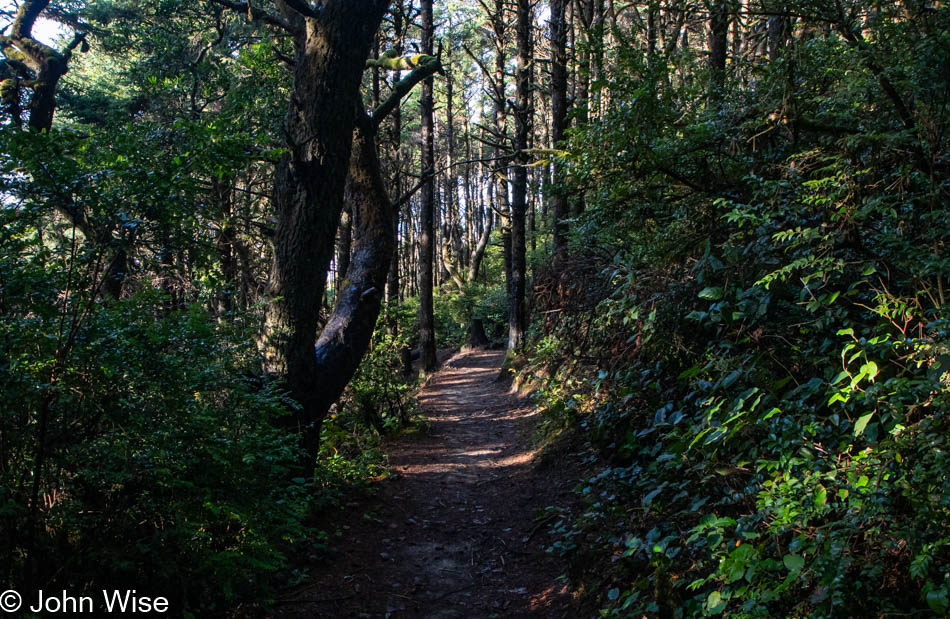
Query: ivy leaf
x,y
938,601
794,563
714,603
711,293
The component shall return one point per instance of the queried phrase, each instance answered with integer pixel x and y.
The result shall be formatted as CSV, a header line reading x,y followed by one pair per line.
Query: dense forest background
x,y
712,235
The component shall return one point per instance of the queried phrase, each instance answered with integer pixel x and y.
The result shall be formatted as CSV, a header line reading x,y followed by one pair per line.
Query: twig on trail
x,y
453,592
540,523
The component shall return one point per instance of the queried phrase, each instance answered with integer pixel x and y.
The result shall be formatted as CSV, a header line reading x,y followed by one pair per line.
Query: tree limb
x,y
26,17
497,96
424,178
267,18
450,265
302,7
425,70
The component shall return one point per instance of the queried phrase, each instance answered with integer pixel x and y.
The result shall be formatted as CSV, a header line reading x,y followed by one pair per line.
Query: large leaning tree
x,y
331,159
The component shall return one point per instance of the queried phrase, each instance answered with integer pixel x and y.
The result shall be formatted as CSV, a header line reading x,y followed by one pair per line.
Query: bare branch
x,y
425,70
429,174
267,18
301,7
488,74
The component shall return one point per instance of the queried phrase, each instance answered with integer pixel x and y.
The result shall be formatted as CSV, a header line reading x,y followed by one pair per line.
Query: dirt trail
x,y
458,532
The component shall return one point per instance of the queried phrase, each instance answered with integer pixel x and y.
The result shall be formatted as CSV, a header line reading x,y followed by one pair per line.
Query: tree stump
x,y
476,334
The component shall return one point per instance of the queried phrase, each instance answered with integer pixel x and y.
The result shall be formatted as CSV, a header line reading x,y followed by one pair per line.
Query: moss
x,y
8,90
399,63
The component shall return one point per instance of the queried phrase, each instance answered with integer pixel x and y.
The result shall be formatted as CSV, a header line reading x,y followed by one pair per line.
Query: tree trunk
x,y
331,49
718,44
559,204
344,242
347,334
479,252
47,65
778,33
427,198
476,333
392,283
516,291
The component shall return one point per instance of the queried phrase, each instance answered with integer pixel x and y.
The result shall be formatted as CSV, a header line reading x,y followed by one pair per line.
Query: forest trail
x,y
459,531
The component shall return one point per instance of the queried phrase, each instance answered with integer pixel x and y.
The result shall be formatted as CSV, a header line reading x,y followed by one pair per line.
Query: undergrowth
x,y
762,355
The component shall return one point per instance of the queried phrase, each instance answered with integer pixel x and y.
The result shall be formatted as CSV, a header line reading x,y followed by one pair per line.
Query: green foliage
x,y
379,395
378,401
159,463
454,311
766,376
138,449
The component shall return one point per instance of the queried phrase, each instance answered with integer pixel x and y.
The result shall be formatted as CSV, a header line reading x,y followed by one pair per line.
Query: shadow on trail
x,y
455,533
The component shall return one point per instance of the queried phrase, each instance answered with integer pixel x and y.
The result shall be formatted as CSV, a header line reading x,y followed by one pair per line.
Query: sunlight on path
x,y
455,533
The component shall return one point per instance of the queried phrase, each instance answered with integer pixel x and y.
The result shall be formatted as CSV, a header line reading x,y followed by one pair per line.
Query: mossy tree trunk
x,y
332,44
32,65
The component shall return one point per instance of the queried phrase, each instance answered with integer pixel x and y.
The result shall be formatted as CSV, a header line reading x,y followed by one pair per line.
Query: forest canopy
x,y
710,234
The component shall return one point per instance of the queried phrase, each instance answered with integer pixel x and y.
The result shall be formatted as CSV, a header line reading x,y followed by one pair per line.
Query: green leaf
x,y
938,601
714,603
862,423
794,563
613,594
821,496
711,293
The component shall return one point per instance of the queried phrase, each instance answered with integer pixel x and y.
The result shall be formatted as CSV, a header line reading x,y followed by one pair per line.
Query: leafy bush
x,y
137,450
378,396
766,376
454,311
160,466
378,401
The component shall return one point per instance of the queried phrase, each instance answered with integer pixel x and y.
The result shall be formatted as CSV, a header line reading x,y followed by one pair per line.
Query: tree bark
x,y
46,64
479,252
347,334
344,242
392,283
332,45
559,205
718,45
778,32
519,185
427,198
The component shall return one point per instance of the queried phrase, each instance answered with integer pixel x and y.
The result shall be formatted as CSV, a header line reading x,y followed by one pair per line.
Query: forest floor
x,y
459,529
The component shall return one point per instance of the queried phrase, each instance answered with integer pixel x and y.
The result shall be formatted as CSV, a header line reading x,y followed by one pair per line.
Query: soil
x,y
460,528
